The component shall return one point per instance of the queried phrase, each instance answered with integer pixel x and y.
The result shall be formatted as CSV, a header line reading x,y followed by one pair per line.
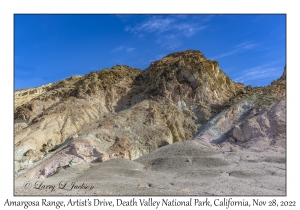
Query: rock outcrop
x,y
252,115
124,112
45,122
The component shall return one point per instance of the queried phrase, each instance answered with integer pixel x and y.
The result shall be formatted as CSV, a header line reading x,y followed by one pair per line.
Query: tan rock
x,y
125,112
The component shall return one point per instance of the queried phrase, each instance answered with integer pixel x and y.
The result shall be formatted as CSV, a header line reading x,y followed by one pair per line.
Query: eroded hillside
x,y
126,112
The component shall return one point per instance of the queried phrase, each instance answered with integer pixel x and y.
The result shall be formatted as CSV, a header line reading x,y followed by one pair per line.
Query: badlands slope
x,y
180,127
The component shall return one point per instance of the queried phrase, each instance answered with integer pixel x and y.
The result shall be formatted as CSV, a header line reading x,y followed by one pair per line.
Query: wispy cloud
x,y
246,45
160,24
153,24
118,49
188,29
129,49
239,48
269,71
170,41
225,54
170,30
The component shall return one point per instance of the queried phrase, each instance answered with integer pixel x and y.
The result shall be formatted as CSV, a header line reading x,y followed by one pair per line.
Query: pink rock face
x,y
216,129
251,129
258,129
80,151
268,125
238,134
263,121
85,151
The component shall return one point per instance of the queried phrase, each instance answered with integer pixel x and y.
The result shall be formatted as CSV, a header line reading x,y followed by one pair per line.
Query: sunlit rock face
x,y
255,119
125,112
188,77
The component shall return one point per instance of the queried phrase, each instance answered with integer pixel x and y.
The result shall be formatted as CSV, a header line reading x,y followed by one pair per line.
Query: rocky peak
x,y
284,74
186,54
190,75
126,112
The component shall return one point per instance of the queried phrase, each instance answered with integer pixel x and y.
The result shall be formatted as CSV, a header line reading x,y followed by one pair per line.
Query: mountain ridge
x,y
125,112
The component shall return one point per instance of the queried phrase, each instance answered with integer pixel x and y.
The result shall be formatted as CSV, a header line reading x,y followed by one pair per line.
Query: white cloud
x,y
160,24
264,72
246,45
118,49
242,47
170,30
188,29
129,49
154,24
225,54
170,41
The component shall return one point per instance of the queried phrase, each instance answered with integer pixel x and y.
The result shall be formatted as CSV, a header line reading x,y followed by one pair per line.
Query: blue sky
x,y
47,48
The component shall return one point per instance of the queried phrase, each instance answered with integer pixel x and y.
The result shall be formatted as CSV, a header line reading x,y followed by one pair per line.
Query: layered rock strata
x,y
124,112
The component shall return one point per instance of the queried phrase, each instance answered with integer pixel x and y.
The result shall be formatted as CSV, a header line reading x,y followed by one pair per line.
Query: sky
x,y
47,48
